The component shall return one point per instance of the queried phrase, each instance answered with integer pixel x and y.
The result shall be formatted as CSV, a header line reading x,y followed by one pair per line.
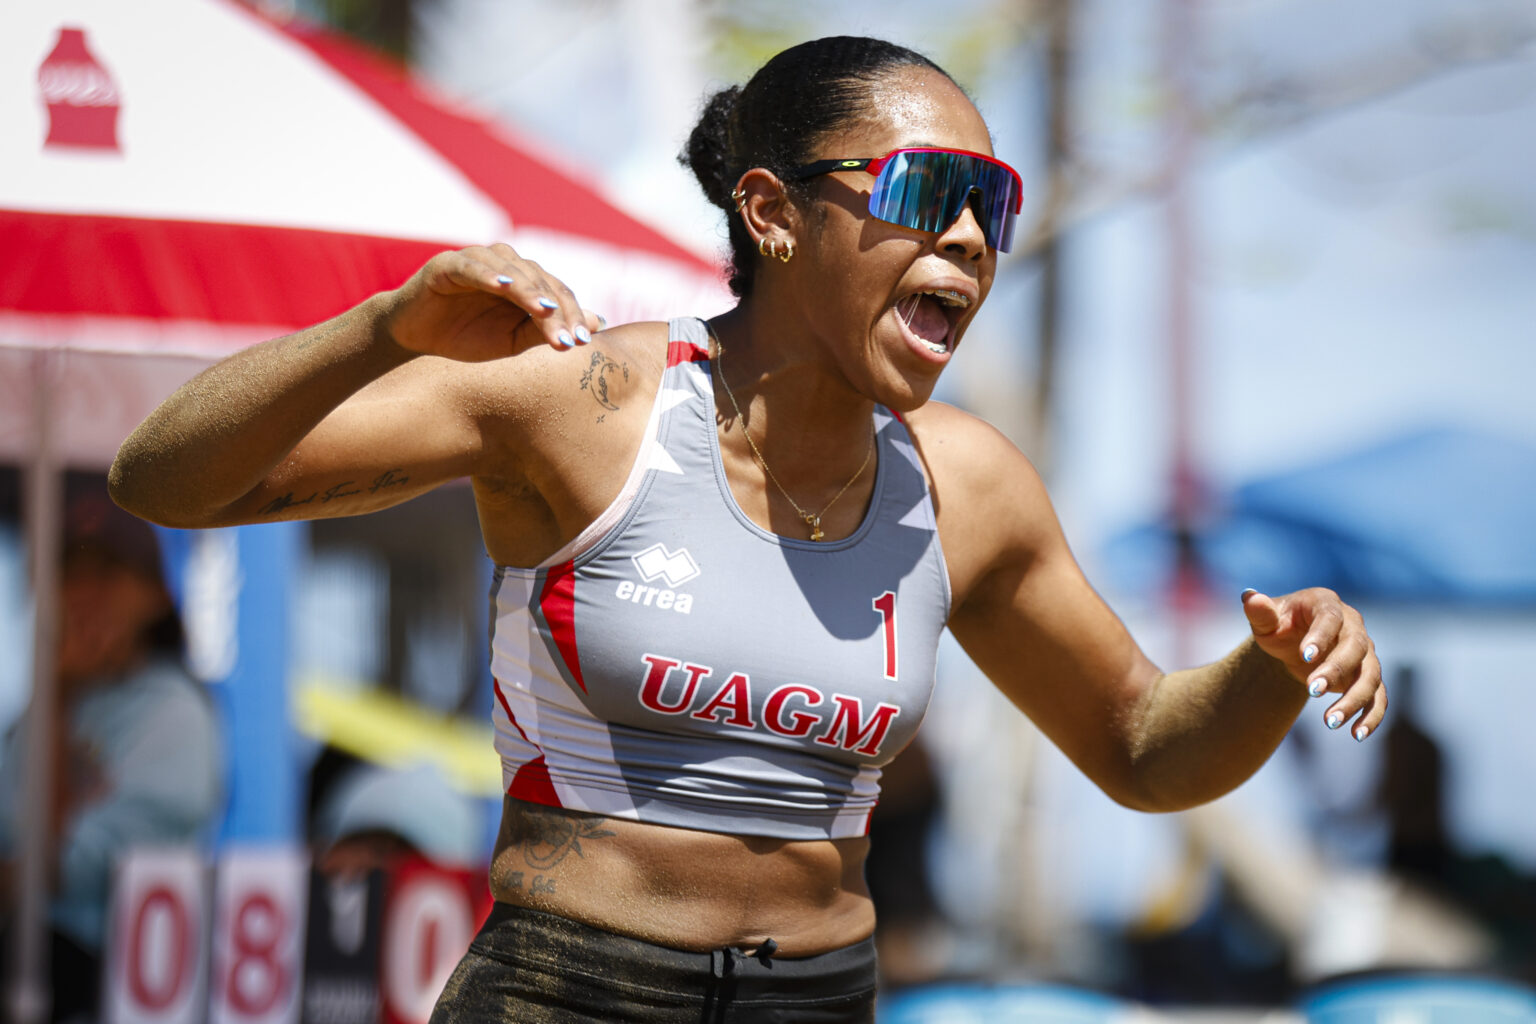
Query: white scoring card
x,y
258,938
157,939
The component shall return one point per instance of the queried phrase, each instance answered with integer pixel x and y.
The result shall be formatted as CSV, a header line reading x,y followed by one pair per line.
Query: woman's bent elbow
x,y
133,488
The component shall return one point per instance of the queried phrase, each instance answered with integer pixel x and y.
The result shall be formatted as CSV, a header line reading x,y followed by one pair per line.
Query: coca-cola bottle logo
x,y
81,97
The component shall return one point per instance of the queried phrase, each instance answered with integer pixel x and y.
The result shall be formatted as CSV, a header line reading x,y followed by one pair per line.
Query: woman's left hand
x,y
1323,643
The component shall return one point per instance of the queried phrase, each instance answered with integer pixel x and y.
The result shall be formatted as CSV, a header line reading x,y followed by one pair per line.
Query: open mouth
x,y
930,317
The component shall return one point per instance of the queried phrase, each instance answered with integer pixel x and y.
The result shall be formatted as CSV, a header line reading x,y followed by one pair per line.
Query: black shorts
x,y
536,968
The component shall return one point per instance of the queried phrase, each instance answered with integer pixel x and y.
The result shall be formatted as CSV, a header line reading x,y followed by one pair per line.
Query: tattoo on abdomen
x,y
545,836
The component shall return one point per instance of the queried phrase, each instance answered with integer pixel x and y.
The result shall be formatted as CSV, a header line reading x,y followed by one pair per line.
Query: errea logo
x,y
656,562
674,568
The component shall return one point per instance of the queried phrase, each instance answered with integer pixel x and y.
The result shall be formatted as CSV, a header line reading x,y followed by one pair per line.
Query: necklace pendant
x,y
815,522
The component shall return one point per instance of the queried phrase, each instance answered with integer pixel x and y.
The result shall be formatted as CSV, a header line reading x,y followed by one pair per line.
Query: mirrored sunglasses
x,y
926,189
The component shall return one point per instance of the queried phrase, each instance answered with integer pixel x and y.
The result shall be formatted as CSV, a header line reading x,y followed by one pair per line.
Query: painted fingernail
x,y
564,338
602,322
503,279
1309,652
1361,732
548,303
582,334
1244,595
1318,686
1334,719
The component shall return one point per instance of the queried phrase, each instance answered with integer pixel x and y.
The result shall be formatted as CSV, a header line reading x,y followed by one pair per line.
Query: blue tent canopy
x,y
1445,515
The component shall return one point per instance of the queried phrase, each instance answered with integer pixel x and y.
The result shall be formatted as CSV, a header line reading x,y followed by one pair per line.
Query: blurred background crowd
x,y
1274,325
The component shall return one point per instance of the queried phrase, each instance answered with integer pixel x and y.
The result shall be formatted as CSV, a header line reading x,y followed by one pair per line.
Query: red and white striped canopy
x,y
179,178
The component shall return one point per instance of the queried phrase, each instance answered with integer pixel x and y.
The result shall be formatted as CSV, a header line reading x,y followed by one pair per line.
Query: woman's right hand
x,y
483,303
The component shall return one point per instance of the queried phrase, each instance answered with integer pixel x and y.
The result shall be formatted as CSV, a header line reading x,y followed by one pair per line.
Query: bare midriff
x,y
683,888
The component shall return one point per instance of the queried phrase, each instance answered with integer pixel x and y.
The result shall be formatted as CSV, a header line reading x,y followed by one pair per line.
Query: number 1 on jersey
x,y
885,604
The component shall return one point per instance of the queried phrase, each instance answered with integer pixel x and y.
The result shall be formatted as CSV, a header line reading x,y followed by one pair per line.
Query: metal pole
x,y
29,997
1180,51
1060,17
1032,922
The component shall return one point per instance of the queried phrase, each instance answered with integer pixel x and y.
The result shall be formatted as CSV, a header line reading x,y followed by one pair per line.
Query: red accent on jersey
x,y
532,783
685,352
773,710
656,680
496,686
736,695
557,603
850,717
885,604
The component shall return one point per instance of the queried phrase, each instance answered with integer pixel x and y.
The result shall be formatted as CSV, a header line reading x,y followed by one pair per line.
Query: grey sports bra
x,y
677,664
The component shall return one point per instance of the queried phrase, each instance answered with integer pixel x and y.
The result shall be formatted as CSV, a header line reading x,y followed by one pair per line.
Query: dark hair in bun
x,y
795,100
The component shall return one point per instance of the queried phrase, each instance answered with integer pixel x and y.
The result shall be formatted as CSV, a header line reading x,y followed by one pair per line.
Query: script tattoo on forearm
x,y
279,505
315,335
335,492
595,380
386,480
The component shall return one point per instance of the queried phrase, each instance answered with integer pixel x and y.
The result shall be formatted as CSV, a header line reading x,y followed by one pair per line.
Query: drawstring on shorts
x,y
722,962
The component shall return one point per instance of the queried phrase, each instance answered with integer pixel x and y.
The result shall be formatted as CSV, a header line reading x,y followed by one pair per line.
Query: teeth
x,y
945,297
950,297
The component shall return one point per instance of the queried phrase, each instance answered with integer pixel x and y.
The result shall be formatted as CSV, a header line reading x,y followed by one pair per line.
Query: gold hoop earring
x,y
740,195
767,248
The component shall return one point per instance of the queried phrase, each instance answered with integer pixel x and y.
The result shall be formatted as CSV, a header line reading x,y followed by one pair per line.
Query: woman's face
x,y
894,302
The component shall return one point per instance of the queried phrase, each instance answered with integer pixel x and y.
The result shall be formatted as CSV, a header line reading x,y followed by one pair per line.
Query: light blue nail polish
x,y
1335,719
564,338
548,303
1244,595
1361,732
602,322
503,279
582,334
1318,687
1310,653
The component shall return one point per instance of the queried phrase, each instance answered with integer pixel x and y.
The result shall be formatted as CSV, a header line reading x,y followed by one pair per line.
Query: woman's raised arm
x,y
332,420
1152,740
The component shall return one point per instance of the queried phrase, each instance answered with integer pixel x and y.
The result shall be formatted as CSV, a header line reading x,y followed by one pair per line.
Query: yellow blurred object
x,y
394,732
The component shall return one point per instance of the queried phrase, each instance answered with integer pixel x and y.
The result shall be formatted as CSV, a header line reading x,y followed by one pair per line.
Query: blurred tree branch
x,y
1266,107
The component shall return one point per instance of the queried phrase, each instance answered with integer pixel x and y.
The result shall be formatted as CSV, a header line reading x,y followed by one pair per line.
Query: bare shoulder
x,y
544,389
974,468
560,432
990,502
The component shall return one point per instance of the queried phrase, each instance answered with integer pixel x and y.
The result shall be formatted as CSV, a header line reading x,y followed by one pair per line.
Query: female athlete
x,y
719,591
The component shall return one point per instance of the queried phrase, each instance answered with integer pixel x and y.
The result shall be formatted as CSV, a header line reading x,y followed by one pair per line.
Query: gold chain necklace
x,y
812,519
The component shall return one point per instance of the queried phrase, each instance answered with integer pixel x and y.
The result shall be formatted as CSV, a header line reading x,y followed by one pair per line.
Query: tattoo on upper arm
x,y
595,379
335,492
